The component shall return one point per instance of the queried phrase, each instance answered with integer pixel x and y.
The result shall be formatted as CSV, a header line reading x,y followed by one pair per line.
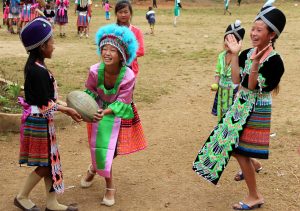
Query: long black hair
x,y
34,55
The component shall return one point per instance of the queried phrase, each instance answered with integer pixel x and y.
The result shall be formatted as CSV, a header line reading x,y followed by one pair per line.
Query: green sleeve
x,y
122,110
93,95
218,66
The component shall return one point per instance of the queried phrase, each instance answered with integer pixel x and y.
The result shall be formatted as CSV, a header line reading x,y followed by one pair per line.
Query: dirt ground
x,y
174,101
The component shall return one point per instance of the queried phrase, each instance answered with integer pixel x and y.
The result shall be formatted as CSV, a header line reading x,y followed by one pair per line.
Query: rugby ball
x,y
83,103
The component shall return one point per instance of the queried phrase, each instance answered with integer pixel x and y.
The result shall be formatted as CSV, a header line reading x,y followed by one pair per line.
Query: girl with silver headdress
x,y
244,131
224,86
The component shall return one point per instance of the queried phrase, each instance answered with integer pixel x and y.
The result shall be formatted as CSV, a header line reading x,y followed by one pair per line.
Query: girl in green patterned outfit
x,y
226,88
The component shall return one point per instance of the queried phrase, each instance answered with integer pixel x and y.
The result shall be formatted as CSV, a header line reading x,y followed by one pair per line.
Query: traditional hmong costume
x,y
109,137
25,13
14,9
82,8
245,128
38,146
226,89
61,17
5,10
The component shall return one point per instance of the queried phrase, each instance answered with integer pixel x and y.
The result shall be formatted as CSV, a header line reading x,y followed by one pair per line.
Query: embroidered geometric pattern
x,y
214,155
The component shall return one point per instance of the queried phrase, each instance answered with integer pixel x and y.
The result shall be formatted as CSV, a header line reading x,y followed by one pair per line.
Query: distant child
x,y
111,83
226,88
107,8
82,6
6,12
226,7
25,15
150,16
177,7
61,17
38,144
49,14
14,15
154,4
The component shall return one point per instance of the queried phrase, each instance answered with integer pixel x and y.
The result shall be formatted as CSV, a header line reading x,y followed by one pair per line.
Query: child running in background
x,y
37,135
111,83
226,7
150,16
226,89
106,9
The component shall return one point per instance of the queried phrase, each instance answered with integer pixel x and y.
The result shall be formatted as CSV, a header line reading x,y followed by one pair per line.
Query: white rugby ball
x,y
83,103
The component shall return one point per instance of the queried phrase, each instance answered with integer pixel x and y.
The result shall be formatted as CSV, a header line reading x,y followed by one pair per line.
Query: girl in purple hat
x,y
38,145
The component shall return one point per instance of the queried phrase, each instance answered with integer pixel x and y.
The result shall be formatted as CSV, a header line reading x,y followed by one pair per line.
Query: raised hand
x,y
256,56
233,45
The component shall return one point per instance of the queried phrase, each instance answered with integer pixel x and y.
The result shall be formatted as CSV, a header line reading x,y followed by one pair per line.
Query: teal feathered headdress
x,y
120,37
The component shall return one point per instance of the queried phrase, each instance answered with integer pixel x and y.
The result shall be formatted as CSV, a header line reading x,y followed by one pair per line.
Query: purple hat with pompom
x,y
35,33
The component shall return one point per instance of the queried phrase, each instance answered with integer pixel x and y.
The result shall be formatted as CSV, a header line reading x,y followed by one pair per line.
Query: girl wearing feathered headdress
x,y
111,83
244,131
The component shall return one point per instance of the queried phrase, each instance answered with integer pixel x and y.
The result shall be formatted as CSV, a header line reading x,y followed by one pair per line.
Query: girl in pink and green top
x,y
111,83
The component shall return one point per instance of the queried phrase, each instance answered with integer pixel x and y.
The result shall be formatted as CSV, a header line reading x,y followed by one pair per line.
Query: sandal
x,y
108,202
240,176
244,206
83,182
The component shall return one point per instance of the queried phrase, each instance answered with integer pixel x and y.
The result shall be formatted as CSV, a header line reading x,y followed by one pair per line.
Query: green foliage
x,y
14,90
8,98
3,100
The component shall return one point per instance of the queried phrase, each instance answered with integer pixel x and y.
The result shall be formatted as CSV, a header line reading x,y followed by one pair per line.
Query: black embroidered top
x,y
270,71
39,86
